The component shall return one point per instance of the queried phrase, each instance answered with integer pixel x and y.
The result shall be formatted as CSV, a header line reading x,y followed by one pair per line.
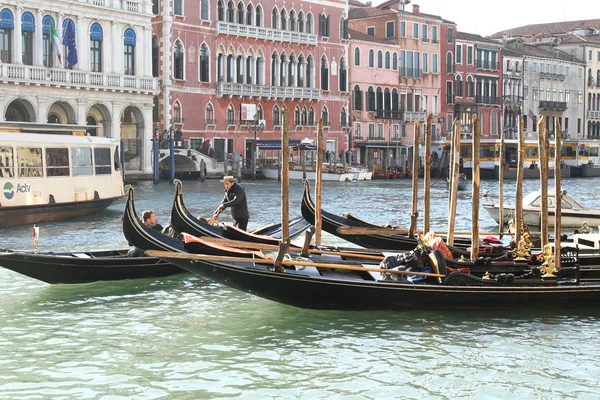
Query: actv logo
x,y
9,190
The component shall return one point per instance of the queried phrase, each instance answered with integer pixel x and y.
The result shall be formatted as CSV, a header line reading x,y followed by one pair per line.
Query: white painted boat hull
x,y
569,219
326,176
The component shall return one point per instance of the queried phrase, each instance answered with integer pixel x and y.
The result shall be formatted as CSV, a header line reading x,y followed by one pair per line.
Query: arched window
x,y
276,116
357,56
301,71
259,15
343,75
204,63
310,71
230,67
395,61
274,68
292,21
387,100
249,14
304,119
178,56
458,86
259,112
356,98
297,116
6,28
379,59
325,116
220,11
282,70
310,26
449,64
155,56
129,52
343,118
177,112
209,115
470,89
27,32
239,66
370,99
178,7
371,58
155,110
324,73
387,60
274,18
155,7
395,102
48,52
311,116
283,25
230,115
230,12
300,21
204,11
379,98
240,13
96,47
292,71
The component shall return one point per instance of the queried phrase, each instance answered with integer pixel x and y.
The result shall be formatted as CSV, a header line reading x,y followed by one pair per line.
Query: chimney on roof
x,y
369,3
416,9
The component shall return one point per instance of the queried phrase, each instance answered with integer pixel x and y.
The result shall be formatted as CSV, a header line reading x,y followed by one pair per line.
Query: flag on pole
x,y
69,41
55,40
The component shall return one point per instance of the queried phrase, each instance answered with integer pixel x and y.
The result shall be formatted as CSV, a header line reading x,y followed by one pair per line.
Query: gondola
x,y
331,222
183,221
85,267
368,288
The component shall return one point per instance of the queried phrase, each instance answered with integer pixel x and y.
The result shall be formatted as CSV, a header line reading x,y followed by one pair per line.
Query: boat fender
x,y
505,278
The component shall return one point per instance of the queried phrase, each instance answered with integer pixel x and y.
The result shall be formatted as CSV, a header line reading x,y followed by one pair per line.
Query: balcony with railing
x,y
493,100
593,114
553,105
487,64
389,114
281,92
376,137
259,32
66,78
127,5
410,116
210,122
512,99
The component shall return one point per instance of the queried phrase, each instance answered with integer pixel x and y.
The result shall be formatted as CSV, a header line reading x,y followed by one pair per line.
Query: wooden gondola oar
x,y
203,257
260,246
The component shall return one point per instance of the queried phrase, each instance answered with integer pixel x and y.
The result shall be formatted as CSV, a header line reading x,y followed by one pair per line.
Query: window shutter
x,y
346,28
327,25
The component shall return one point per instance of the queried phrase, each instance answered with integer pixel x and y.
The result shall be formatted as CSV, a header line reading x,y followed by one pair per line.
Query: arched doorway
x,y
20,111
132,135
61,112
99,119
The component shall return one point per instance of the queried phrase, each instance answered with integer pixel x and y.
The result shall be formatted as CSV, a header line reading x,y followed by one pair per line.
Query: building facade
x,y
108,86
512,99
229,69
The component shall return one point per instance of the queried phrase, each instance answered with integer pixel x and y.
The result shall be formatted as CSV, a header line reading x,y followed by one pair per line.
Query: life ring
x,y
581,146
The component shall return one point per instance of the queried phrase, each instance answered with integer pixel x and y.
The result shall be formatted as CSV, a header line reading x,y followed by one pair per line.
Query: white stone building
x,y
110,88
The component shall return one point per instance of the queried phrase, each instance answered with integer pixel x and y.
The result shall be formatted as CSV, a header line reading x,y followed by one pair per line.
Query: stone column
x,y
116,50
18,32
146,161
38,40
59,31
147,43
82,39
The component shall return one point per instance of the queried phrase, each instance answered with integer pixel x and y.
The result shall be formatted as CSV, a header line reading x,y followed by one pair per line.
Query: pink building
x,y
415,36
222,61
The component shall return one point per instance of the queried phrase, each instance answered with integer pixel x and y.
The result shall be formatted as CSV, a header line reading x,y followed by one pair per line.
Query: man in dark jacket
x,y
235,197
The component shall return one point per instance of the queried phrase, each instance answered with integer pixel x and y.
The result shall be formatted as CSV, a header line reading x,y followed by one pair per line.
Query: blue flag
x,y
70,42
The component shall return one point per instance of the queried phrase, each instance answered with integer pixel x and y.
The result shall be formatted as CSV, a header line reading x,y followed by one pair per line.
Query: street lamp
x,y
257,128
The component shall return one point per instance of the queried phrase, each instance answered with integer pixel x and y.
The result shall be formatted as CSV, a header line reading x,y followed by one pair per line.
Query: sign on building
x,y
248,112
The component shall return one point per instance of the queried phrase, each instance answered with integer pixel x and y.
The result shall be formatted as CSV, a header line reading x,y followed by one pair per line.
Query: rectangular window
x,y
425,63
566,127
450,39
46,51
390,29
403,131
578,125
525,66
458,54
102,161
424,34
27,47
371,131
129,60
567,96
434,63
449,123
470,55
396,131
380,131
579,97
5,45
434,109
434,34
204,10
535,94
95,56
357,129
525,92
81,159
535,68
402,28
29,162
57,162
415,30
7,163
589,55
568,71
598,55
371,31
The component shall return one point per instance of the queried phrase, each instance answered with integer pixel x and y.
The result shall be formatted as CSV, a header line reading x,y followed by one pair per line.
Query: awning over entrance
x,y
381,145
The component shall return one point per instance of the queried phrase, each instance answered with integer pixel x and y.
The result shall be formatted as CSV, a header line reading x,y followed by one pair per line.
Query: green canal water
x,y
185,337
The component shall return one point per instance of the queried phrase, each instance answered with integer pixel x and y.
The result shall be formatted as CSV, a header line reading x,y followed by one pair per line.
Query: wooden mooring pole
x,y
427,176
318,183
519,188
501,185
453,188
475,189
557,191
285,178
543,154
415,182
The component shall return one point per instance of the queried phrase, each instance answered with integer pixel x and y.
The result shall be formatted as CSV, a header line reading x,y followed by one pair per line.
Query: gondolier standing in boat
x,y
235,197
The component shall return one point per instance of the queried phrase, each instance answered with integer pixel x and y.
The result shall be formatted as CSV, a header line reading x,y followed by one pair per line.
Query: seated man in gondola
x,y
149,219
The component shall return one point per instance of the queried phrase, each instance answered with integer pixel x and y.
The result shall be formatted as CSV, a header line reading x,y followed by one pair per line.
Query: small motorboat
x,y
573,214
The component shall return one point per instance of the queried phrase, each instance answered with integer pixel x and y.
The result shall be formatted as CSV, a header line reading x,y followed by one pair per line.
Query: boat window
x,y
57,162
7,163
466,152
487,151
102,161
535,203
82,161
531,152
29,162
564,205
117,159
